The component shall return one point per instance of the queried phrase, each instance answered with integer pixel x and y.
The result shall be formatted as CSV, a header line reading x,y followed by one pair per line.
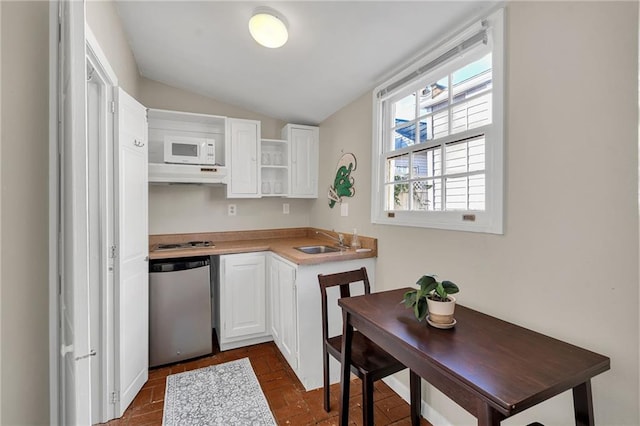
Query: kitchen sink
x,y
318,249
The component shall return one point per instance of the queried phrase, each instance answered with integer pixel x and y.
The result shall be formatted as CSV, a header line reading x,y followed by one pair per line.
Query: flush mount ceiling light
x,y
268,28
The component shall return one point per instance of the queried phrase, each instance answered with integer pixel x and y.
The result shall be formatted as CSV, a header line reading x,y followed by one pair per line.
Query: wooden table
x,y
492,368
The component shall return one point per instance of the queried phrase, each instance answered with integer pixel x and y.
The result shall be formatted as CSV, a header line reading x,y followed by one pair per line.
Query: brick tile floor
x,y
289,402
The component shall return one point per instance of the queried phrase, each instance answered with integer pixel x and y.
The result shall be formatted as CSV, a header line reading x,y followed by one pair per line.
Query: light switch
x,y
344,209
285,208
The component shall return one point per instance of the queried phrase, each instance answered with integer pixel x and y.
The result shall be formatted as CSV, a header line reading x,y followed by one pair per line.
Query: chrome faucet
x,y
339,239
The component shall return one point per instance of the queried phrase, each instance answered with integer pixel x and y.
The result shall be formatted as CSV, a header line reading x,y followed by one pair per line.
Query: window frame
x,y
489,220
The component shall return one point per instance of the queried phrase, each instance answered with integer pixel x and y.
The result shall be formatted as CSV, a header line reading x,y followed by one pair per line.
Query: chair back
x,y
344,280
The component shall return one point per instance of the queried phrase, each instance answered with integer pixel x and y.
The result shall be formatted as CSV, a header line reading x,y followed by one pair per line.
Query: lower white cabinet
x,y
242,300
264,297
284,330
296,323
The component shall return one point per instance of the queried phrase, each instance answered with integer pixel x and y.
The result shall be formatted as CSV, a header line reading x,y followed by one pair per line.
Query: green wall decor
x,y
343,181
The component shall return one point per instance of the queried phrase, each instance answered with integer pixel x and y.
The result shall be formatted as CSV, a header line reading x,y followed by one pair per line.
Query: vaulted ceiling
x,y
337,50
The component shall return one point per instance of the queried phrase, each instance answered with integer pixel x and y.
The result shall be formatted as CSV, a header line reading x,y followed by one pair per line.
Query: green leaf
x,y
441,292
409,298
426,280
421,309
450,287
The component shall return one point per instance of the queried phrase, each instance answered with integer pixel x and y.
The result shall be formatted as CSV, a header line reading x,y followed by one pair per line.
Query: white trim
x,y
492,218
93,48
54,394
426,411
0,225
100,63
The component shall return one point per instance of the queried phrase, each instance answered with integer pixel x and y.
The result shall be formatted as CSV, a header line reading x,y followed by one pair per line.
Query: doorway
x,y
100,151
97,141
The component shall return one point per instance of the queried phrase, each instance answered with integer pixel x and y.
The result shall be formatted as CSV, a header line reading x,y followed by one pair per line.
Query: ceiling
x,y
337,50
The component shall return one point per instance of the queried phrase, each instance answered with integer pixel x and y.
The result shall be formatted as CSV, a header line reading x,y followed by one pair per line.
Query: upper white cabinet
x,y
243,147
250,166
165,123
274,168
303,153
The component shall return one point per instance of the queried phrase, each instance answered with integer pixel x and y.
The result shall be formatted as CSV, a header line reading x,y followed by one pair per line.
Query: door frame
x,y
100,62
104,313
54,194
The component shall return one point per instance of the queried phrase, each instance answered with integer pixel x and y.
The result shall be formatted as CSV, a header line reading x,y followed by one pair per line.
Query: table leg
x,y
347,335
488,416
416,398
583,404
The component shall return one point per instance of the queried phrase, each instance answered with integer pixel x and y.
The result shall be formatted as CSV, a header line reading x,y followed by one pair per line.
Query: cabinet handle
x,y
138,143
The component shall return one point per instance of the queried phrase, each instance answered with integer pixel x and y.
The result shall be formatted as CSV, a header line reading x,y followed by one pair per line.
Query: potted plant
x,y
434,299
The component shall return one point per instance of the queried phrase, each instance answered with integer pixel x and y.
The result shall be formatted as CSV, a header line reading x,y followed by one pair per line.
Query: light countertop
x,y
279,241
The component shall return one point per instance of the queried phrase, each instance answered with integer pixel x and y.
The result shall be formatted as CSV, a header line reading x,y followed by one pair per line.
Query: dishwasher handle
x,y
178,264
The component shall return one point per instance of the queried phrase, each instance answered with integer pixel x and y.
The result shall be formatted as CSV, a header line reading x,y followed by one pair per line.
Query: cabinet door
x,y
284,308
303,148
274,298
244,151
288,311
242,295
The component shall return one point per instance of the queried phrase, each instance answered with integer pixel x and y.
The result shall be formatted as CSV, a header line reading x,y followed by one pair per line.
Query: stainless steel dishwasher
x,y
179,309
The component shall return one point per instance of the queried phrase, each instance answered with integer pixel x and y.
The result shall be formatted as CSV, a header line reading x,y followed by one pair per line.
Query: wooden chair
x,y
369,361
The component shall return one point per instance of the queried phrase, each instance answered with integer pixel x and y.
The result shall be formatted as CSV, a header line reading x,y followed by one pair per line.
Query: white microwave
x,y
189,150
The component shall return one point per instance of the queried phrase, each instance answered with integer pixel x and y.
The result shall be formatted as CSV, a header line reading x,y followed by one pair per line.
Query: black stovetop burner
x,y
187,245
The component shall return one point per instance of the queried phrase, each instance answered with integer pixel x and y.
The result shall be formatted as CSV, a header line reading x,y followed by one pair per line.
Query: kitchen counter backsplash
x,y
280,241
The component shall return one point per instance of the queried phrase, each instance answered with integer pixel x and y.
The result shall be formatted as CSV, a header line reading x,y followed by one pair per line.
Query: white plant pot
x,y
441,312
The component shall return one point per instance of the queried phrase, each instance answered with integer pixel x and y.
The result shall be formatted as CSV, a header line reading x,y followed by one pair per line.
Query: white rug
x,y
224,394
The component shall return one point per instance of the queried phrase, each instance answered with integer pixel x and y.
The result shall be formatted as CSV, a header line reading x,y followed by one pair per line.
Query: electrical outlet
x,y
285,208
344,209
231,209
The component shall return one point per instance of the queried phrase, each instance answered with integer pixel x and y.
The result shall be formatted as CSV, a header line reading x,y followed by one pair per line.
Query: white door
x,y
132,250
245,150
303,143
73,306
242,295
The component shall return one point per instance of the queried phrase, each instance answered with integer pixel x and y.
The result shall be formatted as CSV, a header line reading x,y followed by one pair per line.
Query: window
x,y
438,136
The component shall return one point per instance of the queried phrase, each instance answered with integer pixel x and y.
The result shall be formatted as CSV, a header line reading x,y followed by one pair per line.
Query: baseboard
x,y
428,412
244,342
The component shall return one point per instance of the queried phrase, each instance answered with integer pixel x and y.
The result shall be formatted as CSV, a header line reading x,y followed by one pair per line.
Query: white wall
x,y
24,150
154,94
104,21
567,264
0,215
186,208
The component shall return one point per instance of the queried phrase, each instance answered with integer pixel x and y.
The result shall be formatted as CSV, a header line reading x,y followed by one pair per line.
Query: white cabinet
x,y
244,151
284,322
166,124
281,303
303,164
274,168
243,308
296,323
